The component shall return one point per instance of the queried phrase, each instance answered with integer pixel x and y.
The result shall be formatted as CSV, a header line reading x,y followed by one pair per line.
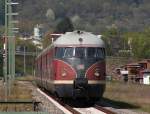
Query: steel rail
x,y
58,101
103,109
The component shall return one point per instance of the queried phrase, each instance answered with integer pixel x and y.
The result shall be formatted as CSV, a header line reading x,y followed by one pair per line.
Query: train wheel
x,y
56,96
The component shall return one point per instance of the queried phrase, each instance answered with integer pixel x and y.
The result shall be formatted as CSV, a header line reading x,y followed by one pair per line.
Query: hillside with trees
x,y
91,15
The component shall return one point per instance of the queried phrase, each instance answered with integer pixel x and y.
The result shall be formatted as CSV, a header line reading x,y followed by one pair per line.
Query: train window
x,y
100,53
68,52
91,52
95,52
80,52
59,52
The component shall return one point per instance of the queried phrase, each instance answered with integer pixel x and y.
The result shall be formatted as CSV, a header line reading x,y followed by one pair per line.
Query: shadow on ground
x,y
116,104
79,103
105,102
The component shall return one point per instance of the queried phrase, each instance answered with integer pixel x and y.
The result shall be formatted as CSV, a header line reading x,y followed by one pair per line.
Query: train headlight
x,y
64,74
97,74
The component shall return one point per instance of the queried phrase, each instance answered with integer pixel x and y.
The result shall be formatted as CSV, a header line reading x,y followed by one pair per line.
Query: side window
x,y
59,52
68,52
100,53
104,52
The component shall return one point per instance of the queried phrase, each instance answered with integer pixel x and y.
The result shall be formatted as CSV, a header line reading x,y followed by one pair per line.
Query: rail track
x,y
94,110
67,109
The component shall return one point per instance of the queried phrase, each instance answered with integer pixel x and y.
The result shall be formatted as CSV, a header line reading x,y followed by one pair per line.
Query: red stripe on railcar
x,y
99,68
62,68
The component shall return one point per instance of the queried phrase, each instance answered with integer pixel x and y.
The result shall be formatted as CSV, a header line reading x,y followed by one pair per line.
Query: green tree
x,y
1,31
1,58
1,65
2,12
139,43
113,41
30,47
93,15
47,39
65,25
1,48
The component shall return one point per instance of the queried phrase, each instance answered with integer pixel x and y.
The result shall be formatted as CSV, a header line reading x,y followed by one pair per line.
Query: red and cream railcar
x,y
73,66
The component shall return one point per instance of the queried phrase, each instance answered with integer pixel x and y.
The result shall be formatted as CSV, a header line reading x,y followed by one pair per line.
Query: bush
x,y
1,65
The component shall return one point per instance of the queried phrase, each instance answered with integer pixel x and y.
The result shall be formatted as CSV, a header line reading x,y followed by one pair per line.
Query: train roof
x,y
79,38
76,38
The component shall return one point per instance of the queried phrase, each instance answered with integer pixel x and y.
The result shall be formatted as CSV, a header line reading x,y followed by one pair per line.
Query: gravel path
x,y
125,111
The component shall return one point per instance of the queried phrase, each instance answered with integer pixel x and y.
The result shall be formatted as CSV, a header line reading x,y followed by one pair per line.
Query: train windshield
x,y
68,52
80,52
90,52
64,52
95,52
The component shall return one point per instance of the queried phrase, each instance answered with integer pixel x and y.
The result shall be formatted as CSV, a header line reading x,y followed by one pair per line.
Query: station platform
x,y
24,113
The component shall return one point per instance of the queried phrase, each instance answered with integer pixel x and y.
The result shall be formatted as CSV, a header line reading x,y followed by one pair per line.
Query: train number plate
x,y
80,67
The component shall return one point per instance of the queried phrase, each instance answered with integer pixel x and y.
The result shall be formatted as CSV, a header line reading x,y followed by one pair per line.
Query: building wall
x,y
146,79
148,65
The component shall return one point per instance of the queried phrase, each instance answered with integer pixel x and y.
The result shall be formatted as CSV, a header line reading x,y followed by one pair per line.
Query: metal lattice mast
x,y
9,66
5,48
10,49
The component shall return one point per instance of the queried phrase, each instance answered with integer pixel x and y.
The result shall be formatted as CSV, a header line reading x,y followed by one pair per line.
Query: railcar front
x,y
79,68
80,71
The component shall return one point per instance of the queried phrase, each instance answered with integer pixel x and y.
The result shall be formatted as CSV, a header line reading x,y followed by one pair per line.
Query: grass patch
x,y
25,78
127,95
20,91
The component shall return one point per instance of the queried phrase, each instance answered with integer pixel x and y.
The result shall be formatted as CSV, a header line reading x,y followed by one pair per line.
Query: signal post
x,y
9,46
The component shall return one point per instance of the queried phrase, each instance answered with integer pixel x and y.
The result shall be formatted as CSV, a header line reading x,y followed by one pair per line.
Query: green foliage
x,y
20,58
2,12
50,14
139,43
65,25
47,39
135,44
1,59
1,31
1,48
113,41
93,15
